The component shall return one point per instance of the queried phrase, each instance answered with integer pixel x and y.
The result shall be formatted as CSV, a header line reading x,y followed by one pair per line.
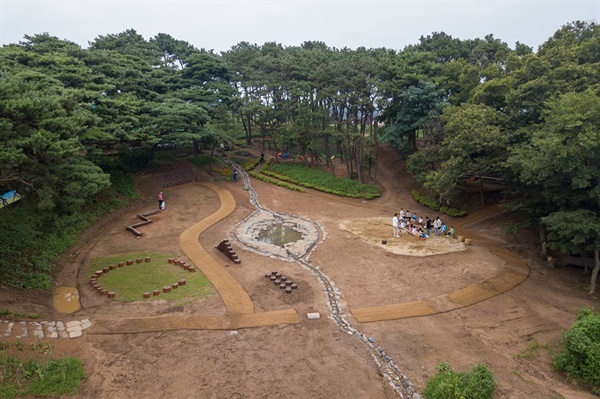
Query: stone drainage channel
x,y
300,251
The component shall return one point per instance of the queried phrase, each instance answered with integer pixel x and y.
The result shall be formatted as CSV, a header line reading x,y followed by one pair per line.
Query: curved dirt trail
x,y
236,299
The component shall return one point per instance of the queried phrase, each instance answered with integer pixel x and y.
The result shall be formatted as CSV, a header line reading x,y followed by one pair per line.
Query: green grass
x,y
531,351
32,377
9,315
319,180
130,282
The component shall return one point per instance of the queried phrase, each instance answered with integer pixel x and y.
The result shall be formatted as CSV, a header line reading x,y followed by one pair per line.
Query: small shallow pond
x,y
279,235
66,300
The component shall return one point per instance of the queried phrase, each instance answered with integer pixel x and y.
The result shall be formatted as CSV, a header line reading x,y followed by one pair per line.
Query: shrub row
x,y
251,164
269,172
275,182
431,203
323,181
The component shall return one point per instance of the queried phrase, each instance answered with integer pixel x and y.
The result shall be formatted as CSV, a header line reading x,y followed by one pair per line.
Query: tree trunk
x,y
481,196
359,155
150,159
212,154
595,271
543,243
412,139
247,128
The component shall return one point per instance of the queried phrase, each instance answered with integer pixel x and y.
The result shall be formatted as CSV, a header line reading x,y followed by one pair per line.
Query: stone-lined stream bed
x,y
247,231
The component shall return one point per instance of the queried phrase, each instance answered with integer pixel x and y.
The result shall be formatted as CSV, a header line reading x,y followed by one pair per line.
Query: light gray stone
x,y
73,323
86,324
75,334
74,328
313,316
38,334
53,335
85,321
64,335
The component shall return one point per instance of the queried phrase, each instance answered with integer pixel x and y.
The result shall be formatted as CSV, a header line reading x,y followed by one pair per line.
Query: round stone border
x,y
166,289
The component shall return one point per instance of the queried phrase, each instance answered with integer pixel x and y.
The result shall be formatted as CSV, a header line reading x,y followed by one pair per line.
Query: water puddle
x,y
66,300
279,234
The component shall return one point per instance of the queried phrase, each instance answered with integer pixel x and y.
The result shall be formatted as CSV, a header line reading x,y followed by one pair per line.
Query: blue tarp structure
x,y
9,198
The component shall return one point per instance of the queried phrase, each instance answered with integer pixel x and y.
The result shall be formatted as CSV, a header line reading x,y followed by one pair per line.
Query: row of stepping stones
x,y
145,221
94,280
283,282
43,329
225,247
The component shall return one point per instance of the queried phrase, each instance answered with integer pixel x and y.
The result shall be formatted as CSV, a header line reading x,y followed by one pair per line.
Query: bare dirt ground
x,y
315,359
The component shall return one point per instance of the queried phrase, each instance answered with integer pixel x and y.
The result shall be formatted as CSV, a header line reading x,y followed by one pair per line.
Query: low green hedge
x,y
266,179
251,164
322,181
431,203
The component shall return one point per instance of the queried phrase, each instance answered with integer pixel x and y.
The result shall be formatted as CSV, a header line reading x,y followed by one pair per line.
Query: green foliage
x,y
531,351
279,176
32,377
9,315
479,383
322,181
580,354
251,164
201,160
279,183
30,242
122,182
431,203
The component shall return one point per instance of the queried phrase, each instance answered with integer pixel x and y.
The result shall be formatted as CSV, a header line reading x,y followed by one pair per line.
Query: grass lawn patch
x,y
38,378
130,282
319,180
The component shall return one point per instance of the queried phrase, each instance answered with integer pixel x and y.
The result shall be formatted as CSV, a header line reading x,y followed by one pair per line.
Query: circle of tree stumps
x,y
95,283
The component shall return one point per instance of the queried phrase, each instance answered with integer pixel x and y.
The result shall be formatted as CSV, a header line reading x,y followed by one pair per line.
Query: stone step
x,y
43,329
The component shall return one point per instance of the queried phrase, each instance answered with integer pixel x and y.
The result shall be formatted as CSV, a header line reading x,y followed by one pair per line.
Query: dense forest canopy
x,y
71,117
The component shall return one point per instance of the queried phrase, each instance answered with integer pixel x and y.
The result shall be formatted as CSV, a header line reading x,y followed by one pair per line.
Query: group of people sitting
x,y
406,222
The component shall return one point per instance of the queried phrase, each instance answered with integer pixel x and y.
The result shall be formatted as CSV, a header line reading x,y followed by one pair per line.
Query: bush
x,y
580,355
323,181
431,203
251,164
479,383
275,182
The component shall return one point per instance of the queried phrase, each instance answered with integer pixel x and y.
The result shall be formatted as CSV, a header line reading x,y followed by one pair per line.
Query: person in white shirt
x,y
395,225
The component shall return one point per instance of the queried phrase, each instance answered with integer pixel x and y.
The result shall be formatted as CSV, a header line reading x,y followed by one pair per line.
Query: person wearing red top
x,y
160,201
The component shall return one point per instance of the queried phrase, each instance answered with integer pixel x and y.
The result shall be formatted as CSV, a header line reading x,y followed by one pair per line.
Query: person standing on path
x,y
395,225
235,175
262,158
160,201
437,226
